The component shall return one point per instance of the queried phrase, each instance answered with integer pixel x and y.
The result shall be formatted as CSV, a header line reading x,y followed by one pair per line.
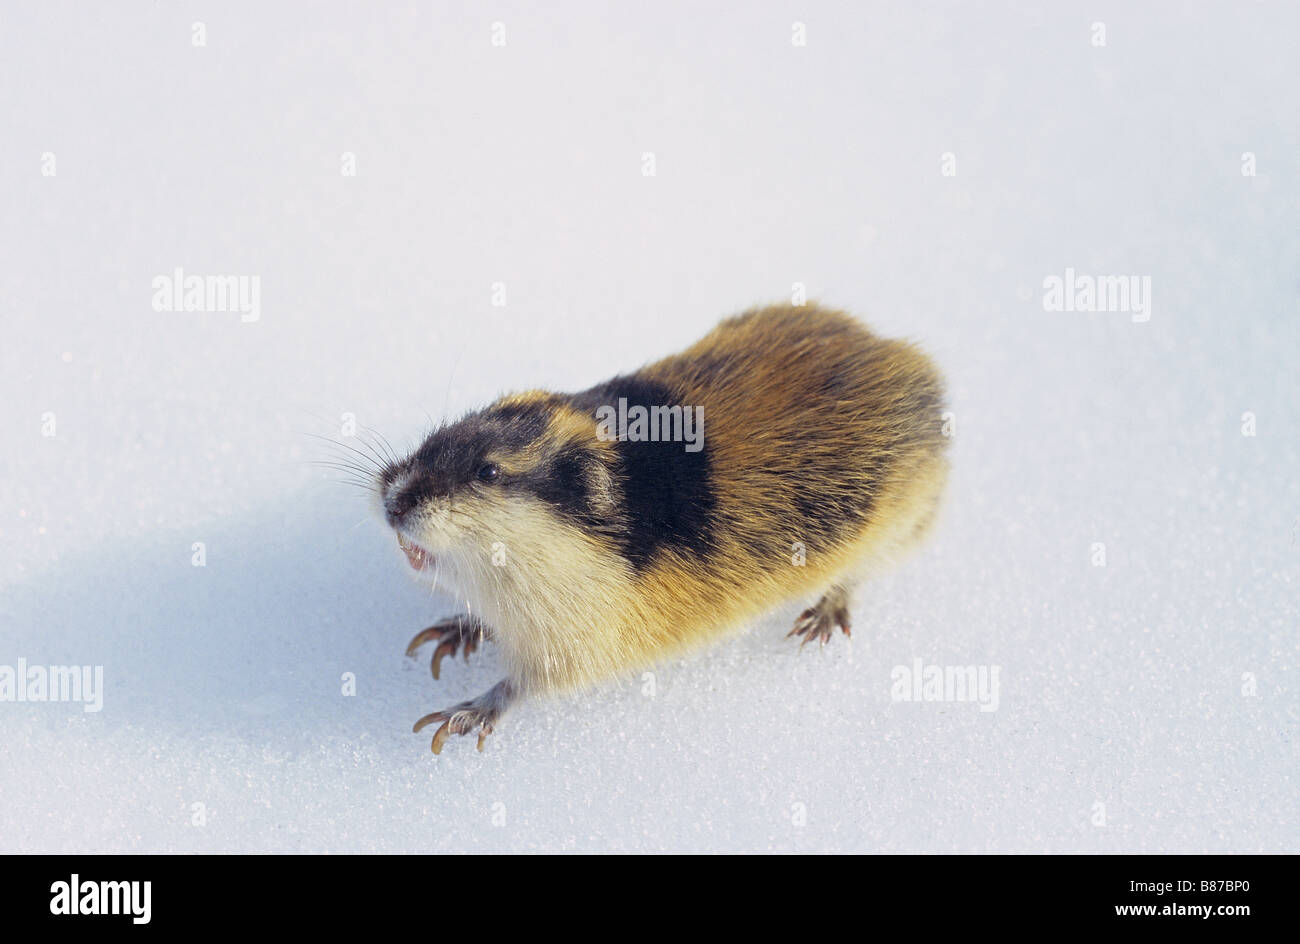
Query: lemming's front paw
x,y
480,713
459,632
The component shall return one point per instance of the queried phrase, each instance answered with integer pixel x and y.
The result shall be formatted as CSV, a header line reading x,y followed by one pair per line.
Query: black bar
x,y
928,893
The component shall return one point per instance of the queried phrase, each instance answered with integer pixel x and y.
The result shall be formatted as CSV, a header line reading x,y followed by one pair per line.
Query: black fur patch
x,y
451,456
564,482
667,493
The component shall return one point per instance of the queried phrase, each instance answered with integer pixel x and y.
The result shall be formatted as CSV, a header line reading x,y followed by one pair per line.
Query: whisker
x,y
369,460
383,460
365,487
387,447
360,474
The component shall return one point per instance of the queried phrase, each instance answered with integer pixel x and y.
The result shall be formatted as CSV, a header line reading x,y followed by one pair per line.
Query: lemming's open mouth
x,y
416,556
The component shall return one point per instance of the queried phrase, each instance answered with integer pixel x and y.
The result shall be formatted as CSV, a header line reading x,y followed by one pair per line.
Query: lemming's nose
x,y
397,503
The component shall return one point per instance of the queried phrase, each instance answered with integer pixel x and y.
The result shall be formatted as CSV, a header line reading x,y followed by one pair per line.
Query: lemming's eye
x,y
488,472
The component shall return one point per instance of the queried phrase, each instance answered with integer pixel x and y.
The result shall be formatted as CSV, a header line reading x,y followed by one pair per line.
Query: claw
x,y
446,646
423,636
451,724
440,737
802,623
428,720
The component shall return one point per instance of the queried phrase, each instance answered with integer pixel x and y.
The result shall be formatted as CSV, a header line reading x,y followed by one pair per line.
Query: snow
x,y
1147,705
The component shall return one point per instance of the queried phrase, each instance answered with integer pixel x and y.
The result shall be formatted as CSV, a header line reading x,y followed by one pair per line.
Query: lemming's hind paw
x,y
459,632
819,621
481,713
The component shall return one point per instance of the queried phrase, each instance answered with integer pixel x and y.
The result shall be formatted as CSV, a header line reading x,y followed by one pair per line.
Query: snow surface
x,y
1125,690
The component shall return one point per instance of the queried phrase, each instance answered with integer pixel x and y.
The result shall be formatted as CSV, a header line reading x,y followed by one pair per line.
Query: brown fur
x,y
764,425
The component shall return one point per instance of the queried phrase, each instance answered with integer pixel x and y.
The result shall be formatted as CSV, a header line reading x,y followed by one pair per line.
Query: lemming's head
x,y
526,470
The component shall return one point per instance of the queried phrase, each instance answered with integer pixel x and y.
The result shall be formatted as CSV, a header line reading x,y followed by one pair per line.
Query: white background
x,y
1120,685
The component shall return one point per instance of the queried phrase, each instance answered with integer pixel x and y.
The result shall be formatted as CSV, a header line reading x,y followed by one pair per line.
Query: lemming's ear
x,y
580,472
